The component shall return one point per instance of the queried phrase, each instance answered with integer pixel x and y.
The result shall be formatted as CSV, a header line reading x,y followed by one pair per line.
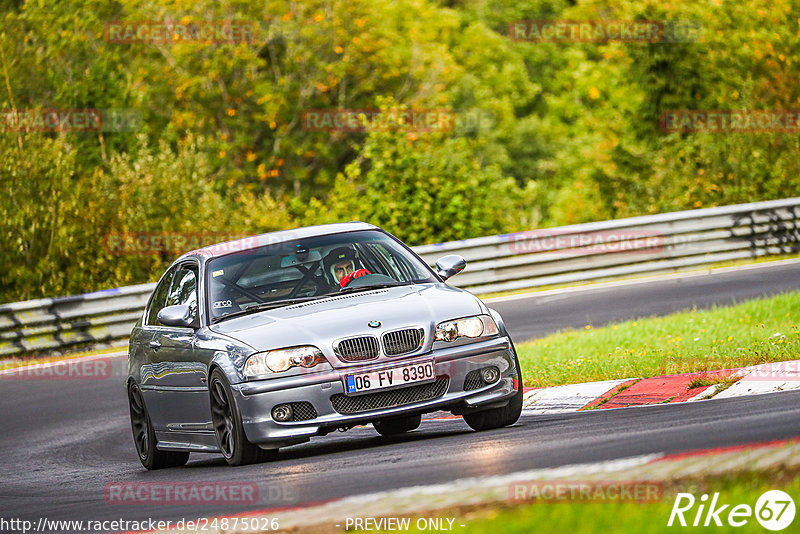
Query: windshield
x,y
304,269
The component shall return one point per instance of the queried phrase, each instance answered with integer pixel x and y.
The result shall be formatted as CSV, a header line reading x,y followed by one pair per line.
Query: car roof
x,y
255,241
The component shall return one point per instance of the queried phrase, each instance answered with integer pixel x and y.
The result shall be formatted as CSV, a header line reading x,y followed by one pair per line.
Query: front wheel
x,y
499,417
145,438
228,427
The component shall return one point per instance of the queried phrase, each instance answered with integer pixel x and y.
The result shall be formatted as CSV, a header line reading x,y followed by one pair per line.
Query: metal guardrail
x,y
583,252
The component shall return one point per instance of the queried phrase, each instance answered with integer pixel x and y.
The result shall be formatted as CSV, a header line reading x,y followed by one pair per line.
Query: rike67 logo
x,y
774,510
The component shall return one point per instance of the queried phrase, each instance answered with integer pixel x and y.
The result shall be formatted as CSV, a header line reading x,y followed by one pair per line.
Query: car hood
x,y
323,321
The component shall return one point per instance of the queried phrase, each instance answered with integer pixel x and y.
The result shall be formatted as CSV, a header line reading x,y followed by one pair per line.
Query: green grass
x,y
605,517
721,379
754,332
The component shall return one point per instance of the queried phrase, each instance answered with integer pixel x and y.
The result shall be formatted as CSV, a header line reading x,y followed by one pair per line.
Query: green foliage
x,y
547,133
175,186
39,208
55,238
402,183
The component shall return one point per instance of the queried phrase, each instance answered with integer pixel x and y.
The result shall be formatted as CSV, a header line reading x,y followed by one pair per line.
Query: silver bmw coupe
x,y
252,345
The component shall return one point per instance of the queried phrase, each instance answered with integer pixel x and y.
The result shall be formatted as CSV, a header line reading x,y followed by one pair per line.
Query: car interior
x,y
241,280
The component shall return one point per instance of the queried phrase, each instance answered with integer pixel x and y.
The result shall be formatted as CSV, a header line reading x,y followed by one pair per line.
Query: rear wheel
x,y
499,417
228,427
145,438
397,425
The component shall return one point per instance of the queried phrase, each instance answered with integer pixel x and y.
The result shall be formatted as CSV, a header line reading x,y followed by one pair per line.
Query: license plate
x,y
390,378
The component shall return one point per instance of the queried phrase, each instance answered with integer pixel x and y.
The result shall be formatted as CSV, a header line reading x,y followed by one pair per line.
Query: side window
x,y
396,267
386,260
183,289
159,297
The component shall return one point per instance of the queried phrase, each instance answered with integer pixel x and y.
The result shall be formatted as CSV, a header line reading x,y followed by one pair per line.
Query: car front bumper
x,y
452,364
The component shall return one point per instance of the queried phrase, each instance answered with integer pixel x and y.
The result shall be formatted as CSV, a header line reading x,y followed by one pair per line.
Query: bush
x,y
424,189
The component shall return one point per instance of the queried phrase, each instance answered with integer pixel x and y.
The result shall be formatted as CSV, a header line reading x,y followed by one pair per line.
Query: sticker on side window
x,y
217,273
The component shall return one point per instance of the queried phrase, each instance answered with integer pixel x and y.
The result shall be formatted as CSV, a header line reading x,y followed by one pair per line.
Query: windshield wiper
x,y
265,306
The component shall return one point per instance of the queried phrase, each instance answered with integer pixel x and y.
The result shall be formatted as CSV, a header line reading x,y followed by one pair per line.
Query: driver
x,y
340,263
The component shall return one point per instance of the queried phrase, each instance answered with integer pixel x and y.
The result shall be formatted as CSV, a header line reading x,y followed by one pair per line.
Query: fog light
x,y
282,412
490,374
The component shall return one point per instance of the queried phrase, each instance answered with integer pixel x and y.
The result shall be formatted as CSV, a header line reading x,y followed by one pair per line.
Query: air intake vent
x,y
403,341
389,399
473,380
303,411
357,349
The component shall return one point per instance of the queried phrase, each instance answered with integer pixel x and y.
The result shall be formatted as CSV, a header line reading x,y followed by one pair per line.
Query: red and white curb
x,y
766,378
568,398
758,379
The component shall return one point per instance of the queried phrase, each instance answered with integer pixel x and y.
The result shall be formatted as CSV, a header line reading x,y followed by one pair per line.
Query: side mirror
x,y
178,315
450,265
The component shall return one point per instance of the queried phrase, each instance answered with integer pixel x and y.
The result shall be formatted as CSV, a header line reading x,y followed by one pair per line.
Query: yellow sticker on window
x,y
217,273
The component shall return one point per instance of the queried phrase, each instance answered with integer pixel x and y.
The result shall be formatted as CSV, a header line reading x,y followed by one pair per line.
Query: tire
x,y
228,428
499,417
144,438
397,425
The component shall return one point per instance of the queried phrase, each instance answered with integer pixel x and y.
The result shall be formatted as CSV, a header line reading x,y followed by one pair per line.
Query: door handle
x,y
155,345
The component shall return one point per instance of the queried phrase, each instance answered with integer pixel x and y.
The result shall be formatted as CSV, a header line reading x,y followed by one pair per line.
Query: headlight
x,y
277,361
476,326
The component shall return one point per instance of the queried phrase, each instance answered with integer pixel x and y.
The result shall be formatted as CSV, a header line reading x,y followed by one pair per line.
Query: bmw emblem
x,y
374,324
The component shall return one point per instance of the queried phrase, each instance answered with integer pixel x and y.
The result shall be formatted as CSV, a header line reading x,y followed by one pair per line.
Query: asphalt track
x,y
63,441
537,315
